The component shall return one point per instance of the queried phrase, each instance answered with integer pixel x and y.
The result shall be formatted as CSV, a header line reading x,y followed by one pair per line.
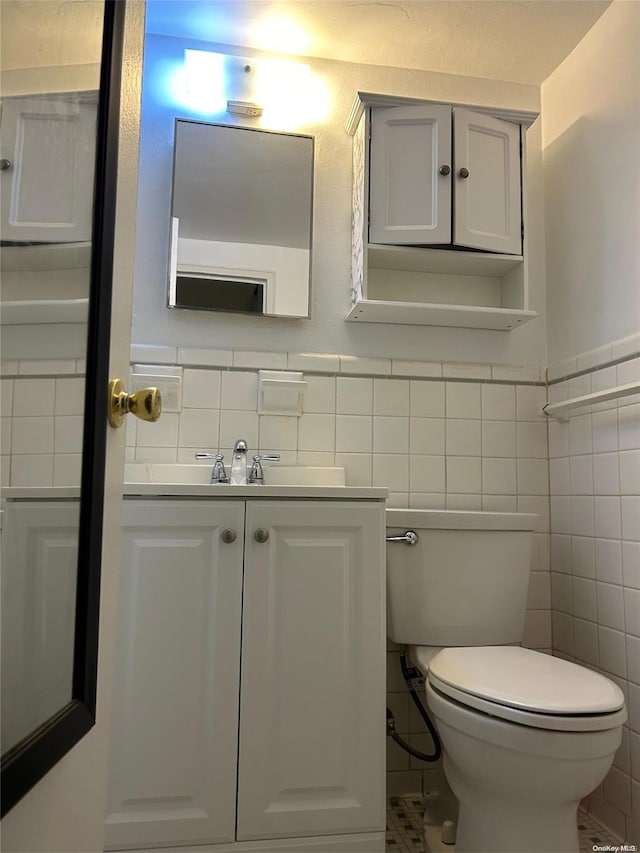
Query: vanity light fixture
x,y
284,91
205,81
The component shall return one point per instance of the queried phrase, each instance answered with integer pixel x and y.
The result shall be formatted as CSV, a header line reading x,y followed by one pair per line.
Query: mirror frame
x,y
29,760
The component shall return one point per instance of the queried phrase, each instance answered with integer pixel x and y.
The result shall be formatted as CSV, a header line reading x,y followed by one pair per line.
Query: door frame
x,y
29,760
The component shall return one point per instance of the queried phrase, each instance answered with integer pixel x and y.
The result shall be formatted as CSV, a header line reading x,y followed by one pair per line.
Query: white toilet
x,y
525,736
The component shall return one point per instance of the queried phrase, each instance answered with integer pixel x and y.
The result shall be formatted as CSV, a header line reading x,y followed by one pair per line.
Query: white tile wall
x,y
595,559
354,396
201,389
41,425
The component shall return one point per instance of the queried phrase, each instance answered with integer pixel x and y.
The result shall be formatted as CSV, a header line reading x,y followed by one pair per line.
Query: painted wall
x,y
590,138
33,62
326,331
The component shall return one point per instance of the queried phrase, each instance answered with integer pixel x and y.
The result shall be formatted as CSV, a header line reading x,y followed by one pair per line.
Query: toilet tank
x,y
464,583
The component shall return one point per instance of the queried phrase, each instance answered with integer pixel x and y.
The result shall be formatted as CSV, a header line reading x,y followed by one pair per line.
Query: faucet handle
x,y
219,472
256,474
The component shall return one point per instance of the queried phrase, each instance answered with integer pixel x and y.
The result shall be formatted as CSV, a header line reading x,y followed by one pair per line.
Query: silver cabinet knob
x,y
463,173
228,536
444,170
261,535
5,164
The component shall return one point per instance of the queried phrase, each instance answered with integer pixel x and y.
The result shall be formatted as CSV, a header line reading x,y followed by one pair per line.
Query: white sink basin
x,y
156,472
303,475
274,475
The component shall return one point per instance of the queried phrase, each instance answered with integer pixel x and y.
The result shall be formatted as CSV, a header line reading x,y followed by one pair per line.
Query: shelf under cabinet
x,y
45,257
436,314
450,262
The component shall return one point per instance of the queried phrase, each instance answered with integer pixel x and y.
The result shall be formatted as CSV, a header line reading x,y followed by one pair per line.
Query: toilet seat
x,y
527,687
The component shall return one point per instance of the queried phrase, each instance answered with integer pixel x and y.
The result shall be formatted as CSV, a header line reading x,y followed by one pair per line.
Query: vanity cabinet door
x,y
410,187
175,715
487,194
312,718
38,593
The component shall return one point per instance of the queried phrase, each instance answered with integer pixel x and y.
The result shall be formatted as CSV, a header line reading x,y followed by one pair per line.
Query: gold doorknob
x,y
145,404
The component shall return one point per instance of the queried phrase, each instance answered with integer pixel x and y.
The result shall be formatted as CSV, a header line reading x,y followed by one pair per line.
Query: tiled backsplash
x,y
41,426
432,442
595,561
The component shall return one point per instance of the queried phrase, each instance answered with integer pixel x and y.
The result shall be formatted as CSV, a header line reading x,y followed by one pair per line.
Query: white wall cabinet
x,y
444,176
409,198
487,208
438,228
293,611
47,145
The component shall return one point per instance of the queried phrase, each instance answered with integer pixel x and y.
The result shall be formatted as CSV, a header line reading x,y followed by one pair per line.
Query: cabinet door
x,y
487,202
409,199
175,717
47,191
312,720
39,570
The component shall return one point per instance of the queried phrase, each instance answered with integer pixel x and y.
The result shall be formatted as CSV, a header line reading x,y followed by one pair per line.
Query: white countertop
x,y
40,493
226,492
196,490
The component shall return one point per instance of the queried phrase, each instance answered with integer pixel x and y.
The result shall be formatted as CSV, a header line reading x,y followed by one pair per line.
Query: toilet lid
x,y
525,680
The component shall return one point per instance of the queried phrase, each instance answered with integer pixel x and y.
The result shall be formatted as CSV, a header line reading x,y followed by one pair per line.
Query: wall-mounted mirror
x,y
241,220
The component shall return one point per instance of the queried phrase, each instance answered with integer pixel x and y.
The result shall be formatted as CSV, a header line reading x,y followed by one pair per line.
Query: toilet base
x,y
485,827
518,788
433,842
477,844
480,830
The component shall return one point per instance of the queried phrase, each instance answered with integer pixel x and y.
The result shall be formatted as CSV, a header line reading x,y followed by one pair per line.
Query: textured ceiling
x,y
520,41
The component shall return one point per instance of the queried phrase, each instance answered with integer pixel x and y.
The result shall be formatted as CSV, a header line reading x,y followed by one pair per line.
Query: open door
x,y
54,775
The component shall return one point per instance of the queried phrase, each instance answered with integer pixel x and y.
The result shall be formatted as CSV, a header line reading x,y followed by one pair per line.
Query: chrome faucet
x,y
238,475
239,464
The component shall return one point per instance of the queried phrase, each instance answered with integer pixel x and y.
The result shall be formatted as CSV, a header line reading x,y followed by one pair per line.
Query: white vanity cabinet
x,y
249,685
439,202
312,698
175,708
38,593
